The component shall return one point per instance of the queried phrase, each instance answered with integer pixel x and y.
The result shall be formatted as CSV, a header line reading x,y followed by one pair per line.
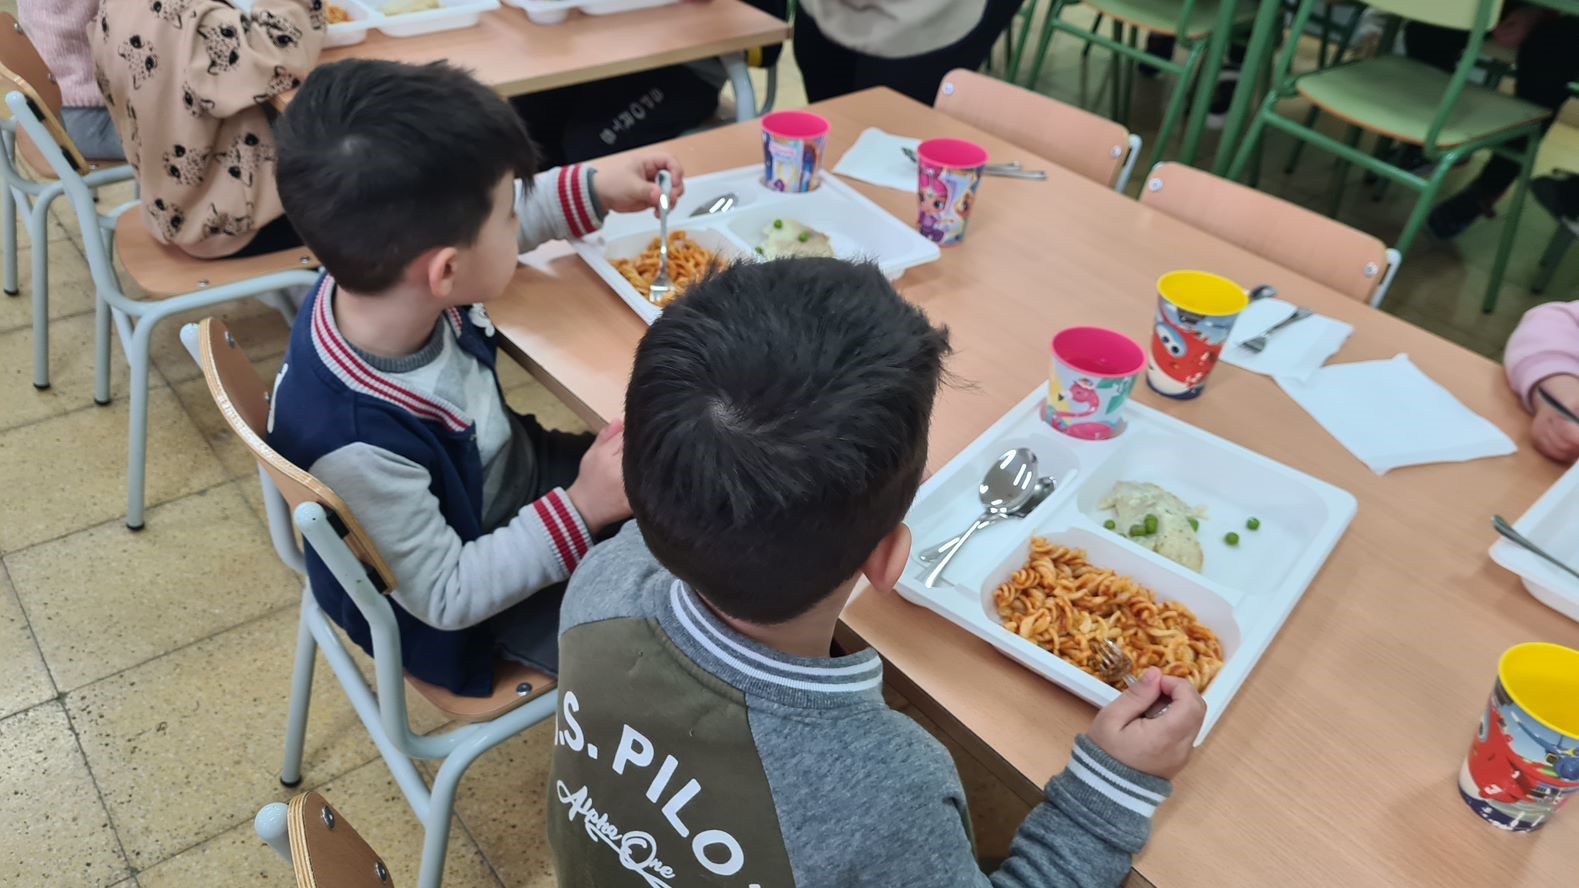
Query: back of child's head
x,y
380,162
776,430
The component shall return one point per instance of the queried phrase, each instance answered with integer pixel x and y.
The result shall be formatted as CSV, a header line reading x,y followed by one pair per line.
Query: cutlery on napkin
x,y
1295,352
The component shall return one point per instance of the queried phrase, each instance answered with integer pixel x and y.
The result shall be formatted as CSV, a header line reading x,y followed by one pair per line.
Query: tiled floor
x,y
143,677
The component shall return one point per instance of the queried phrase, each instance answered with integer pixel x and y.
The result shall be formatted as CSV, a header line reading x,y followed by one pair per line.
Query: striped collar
x,y
359,376
761,671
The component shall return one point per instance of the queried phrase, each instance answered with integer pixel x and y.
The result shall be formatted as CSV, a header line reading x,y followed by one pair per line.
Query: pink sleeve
x,y
1546,343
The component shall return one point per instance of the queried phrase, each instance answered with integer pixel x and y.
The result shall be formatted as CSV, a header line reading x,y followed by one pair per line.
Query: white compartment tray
x,y
858,228
1243,592
1551,524
552,12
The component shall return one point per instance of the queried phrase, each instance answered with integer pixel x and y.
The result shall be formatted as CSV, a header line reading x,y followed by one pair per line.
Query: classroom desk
x,y
510,53
1336,763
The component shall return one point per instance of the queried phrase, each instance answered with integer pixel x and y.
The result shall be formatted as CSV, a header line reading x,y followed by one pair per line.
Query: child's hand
x,y
598,492
630,186
1157,746
1554,434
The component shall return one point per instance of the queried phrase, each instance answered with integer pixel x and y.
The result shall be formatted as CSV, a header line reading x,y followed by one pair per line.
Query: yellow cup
x,y
1524,762
1195,312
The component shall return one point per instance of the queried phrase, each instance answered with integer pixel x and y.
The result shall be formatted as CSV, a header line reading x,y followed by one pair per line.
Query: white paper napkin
x,y
1295,351
1389,414
879,158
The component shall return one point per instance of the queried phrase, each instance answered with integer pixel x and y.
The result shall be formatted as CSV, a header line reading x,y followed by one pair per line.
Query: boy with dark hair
x,y
775,434
417,187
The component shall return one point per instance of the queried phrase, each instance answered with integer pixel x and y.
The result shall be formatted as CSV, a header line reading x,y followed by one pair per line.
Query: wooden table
x,y
510,53
1336,764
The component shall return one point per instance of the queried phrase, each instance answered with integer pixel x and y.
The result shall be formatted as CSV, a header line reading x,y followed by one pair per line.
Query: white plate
x,y
1551,524
552,12
1244,593
858,228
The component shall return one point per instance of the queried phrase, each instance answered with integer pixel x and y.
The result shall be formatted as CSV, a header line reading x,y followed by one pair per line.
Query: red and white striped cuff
x,y
575,200
566,532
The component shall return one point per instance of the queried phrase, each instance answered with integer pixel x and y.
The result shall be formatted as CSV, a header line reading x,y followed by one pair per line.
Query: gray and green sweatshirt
x,y
687,754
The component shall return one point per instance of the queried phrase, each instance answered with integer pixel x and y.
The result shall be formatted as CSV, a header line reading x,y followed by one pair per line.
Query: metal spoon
x,y
1006,487
1011,170
661,285
1044,488
1263,291
720,204
1502,526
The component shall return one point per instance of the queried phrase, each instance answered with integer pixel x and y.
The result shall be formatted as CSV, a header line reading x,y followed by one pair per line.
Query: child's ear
x,y
439,271
887,562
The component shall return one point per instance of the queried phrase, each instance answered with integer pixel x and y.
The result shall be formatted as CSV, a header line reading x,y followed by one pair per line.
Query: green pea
x,y
805,236
1195,525
778,223
1110,524
1231,539
1253,524
1151,523
761,252
1137,530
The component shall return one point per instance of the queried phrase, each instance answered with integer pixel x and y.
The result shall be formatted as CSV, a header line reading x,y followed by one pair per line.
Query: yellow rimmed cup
x,y
1524,762
1195,312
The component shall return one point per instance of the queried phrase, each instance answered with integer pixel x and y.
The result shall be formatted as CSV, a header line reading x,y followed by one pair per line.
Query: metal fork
x,y
1011,170
661,285
1114,665
1258,344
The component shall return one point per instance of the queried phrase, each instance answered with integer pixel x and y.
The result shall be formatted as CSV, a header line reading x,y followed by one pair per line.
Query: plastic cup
x,y
949,173
1091,374
792,147
1524,762
1195,312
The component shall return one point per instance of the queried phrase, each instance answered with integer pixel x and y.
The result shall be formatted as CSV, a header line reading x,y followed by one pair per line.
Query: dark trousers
x,y
577,123
271,238
831,69
1547,61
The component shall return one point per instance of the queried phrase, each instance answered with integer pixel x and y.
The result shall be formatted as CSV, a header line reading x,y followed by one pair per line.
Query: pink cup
x,y
1089,379
950,171
792,146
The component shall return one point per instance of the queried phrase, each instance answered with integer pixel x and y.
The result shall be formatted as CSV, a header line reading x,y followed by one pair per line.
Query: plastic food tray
x,y
1550,524
858,228
1243,593
552,12
367,15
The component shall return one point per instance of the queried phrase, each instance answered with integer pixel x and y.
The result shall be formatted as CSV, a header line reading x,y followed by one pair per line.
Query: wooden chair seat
x,y
165,270
326,852
513,684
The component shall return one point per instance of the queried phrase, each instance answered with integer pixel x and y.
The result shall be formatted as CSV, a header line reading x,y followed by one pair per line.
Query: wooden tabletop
x,y
1336,763
510,53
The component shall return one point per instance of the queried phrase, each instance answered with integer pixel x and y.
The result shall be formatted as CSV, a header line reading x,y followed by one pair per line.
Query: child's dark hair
x,y
380,162
776,430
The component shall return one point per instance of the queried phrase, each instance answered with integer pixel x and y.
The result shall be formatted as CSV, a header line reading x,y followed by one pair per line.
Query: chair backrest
x,y
243,401
1459,14
1075,139
23,69
1347,260
327,852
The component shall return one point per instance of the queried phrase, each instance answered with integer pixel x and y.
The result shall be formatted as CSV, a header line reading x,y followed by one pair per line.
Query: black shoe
x,y
1157,45
1559,195
1452,217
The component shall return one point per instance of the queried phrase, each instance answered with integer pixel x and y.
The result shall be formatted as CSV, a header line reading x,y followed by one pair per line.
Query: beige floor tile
x,y
502,798
24,680
69,472
70,287
188,745
199,404
56,830
259,329
103,599
71,372
236,857
531,398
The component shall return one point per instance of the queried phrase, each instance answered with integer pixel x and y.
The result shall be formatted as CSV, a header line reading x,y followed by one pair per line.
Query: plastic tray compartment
x,y
1553,524
449,16
630,246
342,34
552,12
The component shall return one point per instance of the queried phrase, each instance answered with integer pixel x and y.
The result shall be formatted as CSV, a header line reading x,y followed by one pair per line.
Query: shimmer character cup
x,y
792,146
1524,762
1195,311
949,172
1091,374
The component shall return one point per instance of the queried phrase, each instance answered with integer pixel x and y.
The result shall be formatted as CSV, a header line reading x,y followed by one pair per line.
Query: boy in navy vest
x,y
417,187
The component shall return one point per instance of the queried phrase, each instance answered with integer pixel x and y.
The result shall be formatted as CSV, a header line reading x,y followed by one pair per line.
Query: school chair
x,y
172,281
321,846
1075,139
23,69
1325,250
522,697
1412,103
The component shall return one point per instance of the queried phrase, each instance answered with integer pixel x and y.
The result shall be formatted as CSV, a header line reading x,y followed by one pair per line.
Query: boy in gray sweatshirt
x,y
775,434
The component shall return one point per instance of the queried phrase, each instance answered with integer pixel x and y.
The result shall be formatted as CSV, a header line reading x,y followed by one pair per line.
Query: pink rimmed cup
x,y
949,172
1092,372
792,146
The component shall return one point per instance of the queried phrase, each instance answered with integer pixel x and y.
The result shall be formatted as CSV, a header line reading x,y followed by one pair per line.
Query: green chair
x,y
1411,102
1189,22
